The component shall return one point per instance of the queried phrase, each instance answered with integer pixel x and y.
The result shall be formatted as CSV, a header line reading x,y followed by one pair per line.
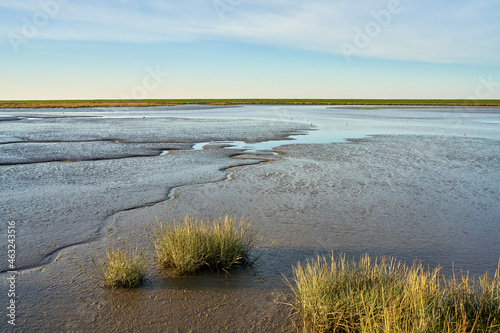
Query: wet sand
x,y
432,198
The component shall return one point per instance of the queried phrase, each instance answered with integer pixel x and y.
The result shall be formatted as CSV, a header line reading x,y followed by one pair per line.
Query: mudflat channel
x,y
413,183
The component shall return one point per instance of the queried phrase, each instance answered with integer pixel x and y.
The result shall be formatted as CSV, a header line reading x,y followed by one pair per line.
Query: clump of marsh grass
x,y
192,244
123,268
383,295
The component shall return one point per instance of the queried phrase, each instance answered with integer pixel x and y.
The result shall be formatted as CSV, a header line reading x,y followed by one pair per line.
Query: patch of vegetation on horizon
x,y
170,102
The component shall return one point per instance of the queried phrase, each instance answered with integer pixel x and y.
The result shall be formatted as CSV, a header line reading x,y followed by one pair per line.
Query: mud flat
x,y
63,177
429,197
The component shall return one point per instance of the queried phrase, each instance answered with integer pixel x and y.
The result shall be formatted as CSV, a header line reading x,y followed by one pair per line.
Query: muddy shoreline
x,y
433,198
295,227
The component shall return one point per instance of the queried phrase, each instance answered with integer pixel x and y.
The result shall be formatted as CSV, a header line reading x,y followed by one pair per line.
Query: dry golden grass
x,y
120,268
191,245
383,295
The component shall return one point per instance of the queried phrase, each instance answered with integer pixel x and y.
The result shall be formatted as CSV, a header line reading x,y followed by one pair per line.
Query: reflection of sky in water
x,y
336,124
328,123
309,137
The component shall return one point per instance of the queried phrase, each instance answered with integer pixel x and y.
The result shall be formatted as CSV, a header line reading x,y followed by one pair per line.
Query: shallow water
x,y
327,123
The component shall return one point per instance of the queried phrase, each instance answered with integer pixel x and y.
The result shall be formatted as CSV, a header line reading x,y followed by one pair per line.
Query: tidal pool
x,y
413,183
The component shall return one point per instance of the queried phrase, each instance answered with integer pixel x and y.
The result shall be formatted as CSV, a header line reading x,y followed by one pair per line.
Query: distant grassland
x,y
159,102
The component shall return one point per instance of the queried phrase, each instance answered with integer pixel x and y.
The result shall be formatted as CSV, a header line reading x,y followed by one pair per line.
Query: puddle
x,y
320,136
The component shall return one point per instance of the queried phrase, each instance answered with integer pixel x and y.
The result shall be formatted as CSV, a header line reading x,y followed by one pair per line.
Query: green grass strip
x,y
159,102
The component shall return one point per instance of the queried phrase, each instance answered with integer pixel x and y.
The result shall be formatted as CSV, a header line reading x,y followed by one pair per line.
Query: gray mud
x,y
117,166
141,130
64,151
432,198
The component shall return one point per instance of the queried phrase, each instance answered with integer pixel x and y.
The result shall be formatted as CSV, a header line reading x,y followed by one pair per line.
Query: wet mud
x,y
432,198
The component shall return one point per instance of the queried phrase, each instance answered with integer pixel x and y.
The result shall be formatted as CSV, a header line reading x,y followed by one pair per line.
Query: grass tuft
x,y
122,269
383,295
191,245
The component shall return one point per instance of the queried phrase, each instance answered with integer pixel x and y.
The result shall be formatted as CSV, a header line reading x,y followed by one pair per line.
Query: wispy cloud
x,y
432,31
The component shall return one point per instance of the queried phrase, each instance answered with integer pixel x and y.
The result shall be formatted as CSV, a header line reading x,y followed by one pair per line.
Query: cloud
x,y
431,31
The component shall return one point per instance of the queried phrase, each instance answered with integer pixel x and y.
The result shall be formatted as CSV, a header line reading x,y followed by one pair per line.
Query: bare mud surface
x,y
120,164
432,198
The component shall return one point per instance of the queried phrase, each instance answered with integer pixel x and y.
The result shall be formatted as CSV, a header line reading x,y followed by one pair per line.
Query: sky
x,y
114,49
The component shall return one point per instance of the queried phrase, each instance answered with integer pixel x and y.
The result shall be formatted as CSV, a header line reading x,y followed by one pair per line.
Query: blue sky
x,y
69,49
